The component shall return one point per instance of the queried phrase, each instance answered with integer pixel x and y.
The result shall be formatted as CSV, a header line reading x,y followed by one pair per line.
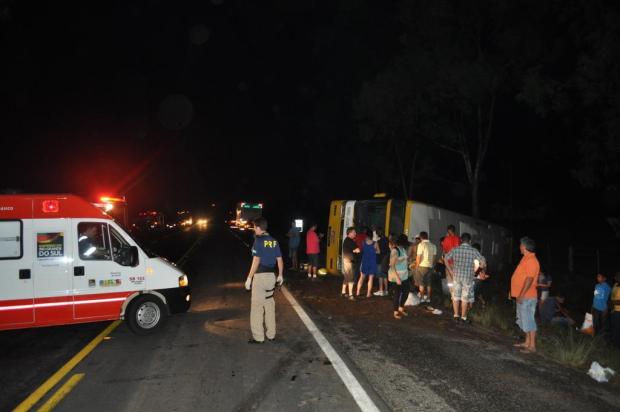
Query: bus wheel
x,y
146,314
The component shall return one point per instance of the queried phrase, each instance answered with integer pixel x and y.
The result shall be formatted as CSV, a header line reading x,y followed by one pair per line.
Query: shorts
x,y
422,276
382,271
313,259
525,315
292,252
463,290
348,270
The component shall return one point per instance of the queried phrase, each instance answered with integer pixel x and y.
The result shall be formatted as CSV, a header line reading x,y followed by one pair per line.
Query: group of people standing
x,y
369,254
403,264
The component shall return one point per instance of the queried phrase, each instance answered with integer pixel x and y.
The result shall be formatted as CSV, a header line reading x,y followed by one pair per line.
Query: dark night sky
x,y
180,103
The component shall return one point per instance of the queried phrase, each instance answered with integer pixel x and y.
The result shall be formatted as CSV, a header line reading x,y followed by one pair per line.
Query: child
x,y
599,304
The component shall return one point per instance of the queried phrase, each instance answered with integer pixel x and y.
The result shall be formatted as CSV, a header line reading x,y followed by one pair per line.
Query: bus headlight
x,y
183,281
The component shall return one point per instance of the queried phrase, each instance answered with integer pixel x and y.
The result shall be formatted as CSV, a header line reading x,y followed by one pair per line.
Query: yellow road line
x,y
61,393
36,396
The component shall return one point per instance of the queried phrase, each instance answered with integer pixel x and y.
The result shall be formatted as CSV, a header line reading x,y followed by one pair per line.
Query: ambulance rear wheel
x,y
146,314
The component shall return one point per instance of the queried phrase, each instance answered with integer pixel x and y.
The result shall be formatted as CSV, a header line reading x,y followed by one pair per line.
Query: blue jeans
x,y
525,315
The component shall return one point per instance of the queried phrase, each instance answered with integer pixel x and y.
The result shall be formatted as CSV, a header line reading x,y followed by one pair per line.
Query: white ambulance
x,y
64,261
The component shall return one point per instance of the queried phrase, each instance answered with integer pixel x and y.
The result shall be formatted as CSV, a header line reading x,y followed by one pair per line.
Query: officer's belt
x,y
265,269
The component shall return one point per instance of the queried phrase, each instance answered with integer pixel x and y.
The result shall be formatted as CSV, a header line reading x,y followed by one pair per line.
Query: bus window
x,y
397,217
370,213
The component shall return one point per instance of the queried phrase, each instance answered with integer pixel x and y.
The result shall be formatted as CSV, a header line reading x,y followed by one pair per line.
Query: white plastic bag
x,y
588,326
412,300
600,374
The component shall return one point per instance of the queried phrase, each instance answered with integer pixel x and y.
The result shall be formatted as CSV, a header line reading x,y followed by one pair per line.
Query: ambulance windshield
x,y
140,244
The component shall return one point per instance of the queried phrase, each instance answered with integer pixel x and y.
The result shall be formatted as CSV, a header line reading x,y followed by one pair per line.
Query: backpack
x,y
400,270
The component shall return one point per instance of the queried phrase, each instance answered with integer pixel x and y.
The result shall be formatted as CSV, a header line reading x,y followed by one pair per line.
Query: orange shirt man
x,y
523,288
527,268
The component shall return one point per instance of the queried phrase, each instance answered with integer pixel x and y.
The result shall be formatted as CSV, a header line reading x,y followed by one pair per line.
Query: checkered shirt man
x,y
463,261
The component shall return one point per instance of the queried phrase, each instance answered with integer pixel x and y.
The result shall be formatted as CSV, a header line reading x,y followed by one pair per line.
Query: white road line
x,y
355,388
358,393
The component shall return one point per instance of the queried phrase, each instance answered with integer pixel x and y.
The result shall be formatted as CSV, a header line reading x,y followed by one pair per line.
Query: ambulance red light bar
x,y
112,199
50,206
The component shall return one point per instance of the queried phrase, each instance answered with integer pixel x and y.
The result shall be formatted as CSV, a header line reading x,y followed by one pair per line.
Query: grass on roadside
x,y
494,316
573,348
566,346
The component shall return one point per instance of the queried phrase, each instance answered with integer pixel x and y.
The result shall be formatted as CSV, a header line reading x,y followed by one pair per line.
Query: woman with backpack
x,y
398,273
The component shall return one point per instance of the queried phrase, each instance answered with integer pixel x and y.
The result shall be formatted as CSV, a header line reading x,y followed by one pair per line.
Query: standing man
x,y
424,263
262,281
293,245
460,271
312,250
350,251
449,242
523,288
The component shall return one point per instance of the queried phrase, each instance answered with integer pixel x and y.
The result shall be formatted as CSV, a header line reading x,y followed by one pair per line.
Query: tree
x,y
585,95
597,83
457,61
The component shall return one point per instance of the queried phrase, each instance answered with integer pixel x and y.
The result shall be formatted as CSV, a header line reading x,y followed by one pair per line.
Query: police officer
x,y
262,281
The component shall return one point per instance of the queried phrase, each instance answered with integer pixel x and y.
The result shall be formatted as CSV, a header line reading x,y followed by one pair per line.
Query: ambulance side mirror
x,y
133,251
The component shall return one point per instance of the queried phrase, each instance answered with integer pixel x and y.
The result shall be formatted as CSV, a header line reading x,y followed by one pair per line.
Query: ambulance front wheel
x,y
146,314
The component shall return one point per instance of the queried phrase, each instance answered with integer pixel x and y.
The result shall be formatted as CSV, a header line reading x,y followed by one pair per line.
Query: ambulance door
x,y
16,290
51,275
100,284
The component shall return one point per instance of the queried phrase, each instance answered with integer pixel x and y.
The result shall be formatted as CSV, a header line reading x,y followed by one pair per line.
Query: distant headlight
x,y
183,281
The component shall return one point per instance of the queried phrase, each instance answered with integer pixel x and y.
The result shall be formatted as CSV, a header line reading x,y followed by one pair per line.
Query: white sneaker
x,y
313,276
378,293
309,275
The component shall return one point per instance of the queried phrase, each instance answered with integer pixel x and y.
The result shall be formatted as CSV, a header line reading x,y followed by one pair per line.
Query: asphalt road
x,y
29,356
201,360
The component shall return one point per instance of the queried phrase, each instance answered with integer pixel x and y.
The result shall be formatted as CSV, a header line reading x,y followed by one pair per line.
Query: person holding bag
x,y
398,273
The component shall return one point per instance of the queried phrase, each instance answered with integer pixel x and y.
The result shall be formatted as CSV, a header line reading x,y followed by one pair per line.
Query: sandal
x,y
397,316
403,313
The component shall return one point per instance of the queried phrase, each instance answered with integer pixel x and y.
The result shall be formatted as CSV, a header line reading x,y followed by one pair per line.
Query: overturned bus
x,y
411,217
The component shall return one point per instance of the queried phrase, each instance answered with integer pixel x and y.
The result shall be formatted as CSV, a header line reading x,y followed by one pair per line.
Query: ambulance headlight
x,y
183,281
